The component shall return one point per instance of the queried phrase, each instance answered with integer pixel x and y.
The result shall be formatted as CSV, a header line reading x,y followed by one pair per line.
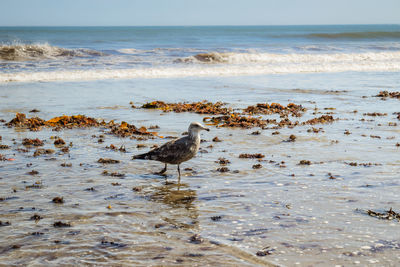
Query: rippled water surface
x,y
299,214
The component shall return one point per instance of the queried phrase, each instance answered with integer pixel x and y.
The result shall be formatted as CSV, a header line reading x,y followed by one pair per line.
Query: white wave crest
x,y
242,58
22,52
129,51
250,64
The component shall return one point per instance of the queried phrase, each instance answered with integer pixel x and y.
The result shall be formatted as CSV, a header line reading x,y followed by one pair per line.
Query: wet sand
x,y
305,202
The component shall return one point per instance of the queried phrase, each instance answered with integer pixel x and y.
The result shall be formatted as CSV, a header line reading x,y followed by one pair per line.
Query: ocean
x,y
314,199
31,54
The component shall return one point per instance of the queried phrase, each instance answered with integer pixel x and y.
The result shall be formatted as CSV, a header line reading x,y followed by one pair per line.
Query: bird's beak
x,y
204,128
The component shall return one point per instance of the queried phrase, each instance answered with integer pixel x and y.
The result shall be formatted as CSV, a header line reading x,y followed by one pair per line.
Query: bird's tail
x,y
141,156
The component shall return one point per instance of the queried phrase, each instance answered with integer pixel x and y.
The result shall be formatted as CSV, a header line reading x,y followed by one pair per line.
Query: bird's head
x,y
195,128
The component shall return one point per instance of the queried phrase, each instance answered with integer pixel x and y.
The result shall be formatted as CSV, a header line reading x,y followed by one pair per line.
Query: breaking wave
x,y
23,52
243,58
221,64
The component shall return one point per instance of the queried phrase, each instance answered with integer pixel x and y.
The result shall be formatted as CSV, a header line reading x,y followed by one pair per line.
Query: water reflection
x,y
179,200
174,195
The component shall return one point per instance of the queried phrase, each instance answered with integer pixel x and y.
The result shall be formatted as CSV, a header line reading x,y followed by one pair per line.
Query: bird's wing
x,y
171,150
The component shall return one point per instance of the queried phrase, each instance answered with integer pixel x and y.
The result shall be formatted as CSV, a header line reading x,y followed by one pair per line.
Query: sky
x,y
199,12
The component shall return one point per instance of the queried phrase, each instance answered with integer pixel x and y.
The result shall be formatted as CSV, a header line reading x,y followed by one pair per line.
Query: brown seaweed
x,y
125,129
196,239
216,139
112,174
276,108
203,107
251,156
257,166
320,120
237,120
59,142
61,224
41,151
58,200
223,169
32,142
223,161
20,120
385,94
265,251
108,161
387,215
76,121
36,217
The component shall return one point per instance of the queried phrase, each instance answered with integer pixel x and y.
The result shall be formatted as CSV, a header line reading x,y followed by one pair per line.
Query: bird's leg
x,y
179,175
163,170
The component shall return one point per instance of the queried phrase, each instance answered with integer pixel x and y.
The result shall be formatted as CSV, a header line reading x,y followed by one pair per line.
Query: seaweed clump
x,y
61,224
105,243
236,120
257,166
223,169
36,217
32,142
20,120
374,114
320,120
125,129
112,174
223,161
244,119
385,94
265,251
58,200
59,142
202,107
108,161
41,151
251,156
276,108
387,215
240,121
35,123
76,121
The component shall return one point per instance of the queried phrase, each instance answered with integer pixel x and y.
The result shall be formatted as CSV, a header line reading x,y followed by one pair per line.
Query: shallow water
x,y
303,216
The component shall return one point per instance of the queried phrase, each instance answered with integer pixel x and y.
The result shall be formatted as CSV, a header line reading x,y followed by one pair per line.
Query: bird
x,y
178,150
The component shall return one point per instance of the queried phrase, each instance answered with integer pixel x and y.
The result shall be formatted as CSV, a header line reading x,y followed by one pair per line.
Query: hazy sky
x,y
200,12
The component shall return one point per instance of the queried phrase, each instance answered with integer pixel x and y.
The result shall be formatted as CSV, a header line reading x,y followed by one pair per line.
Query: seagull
x,y
178,150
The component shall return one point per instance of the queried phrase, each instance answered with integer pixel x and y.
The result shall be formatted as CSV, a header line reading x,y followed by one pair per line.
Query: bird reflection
x,y
174,195
179,198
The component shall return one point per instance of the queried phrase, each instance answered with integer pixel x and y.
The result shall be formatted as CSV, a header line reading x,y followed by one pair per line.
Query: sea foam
x,y
23,52
223,64
239,58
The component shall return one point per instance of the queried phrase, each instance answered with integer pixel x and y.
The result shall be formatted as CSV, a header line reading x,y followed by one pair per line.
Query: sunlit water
x,y
302,215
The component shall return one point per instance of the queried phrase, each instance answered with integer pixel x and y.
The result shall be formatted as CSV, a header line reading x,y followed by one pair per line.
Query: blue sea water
x,y
73,53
